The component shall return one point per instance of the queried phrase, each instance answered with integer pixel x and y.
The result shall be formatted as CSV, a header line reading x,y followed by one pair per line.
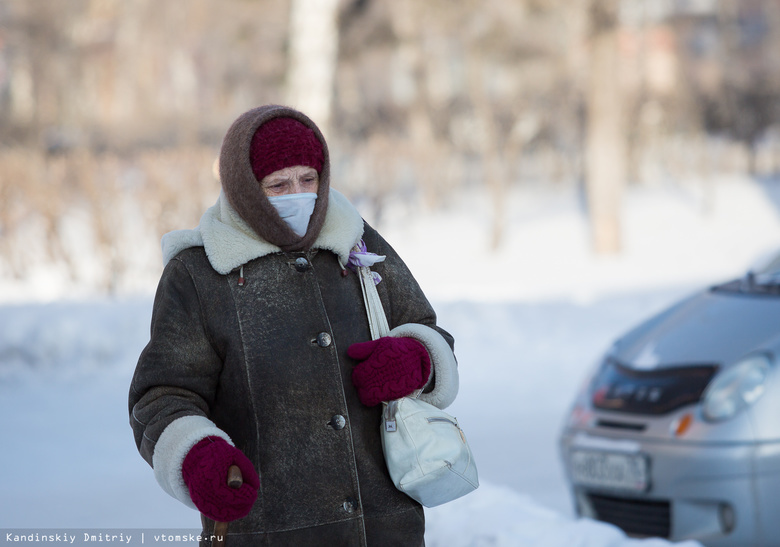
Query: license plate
x,y
610,470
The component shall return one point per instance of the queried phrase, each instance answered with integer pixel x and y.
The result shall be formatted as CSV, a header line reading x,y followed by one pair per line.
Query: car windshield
x,y
763,278
768,273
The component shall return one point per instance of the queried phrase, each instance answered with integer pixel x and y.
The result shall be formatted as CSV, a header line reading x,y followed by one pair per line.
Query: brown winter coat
x,y
267,363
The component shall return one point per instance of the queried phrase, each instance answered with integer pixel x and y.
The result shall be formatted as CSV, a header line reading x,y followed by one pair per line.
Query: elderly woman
x,y
261,356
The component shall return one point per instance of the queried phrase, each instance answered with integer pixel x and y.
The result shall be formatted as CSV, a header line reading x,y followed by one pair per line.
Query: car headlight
x,y
737,387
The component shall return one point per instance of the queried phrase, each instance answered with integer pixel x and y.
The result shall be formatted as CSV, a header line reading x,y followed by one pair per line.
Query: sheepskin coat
x,y
262,362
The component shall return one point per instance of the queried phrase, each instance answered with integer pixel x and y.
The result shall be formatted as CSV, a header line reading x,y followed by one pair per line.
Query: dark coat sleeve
x,y
178,371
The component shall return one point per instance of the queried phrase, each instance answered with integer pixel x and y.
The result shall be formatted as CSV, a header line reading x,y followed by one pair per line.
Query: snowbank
x,y
501,517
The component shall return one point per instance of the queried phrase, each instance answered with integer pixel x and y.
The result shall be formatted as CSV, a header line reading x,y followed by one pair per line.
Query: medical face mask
x,y
295,210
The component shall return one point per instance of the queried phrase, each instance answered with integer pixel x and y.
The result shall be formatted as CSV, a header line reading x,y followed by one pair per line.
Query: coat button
x,y
324,339
301,264
350,505
337,422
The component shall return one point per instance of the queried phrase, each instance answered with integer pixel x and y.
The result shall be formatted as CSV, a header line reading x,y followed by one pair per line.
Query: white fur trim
x,y
342,229
175,242
229,242
445,367
172,447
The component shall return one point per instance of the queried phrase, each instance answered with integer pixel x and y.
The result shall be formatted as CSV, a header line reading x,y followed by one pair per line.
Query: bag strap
x,y
377,320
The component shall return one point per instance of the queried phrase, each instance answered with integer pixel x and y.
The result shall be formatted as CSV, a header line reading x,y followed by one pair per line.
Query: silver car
x,y
676,433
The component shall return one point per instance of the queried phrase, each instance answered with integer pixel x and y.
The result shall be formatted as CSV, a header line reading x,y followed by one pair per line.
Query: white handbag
x,y
425,449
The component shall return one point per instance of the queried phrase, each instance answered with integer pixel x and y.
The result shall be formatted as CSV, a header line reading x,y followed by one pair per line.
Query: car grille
x,y
625,426
634,516
658,391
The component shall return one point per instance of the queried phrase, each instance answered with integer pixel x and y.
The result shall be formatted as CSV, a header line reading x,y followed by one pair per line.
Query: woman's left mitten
x,y
389,368
205,472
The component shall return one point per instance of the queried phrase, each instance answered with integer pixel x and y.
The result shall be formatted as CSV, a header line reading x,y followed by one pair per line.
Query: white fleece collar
x,y
229,242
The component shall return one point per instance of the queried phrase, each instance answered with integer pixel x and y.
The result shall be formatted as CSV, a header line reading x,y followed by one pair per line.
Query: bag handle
x,y
377,320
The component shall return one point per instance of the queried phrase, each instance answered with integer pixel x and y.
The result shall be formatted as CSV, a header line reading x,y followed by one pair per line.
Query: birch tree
x,y
313,39
605,146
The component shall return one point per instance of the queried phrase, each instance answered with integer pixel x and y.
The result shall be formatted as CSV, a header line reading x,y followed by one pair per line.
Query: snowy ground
x,y
529,320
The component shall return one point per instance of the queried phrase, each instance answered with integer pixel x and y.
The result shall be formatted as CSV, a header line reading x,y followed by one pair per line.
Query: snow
x,y
529,321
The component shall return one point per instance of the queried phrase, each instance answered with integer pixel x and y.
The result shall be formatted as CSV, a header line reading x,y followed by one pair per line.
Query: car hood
x,y
714,327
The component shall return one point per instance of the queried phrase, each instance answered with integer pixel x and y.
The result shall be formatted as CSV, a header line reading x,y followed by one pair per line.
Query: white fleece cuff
x,y
445,367
172,447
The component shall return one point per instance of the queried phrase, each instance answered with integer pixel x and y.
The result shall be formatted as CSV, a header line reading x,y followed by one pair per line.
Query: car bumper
x,y
722,494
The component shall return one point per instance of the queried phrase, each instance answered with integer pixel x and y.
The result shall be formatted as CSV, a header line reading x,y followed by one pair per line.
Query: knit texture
x,y
390,368
283,142
205,472
243,191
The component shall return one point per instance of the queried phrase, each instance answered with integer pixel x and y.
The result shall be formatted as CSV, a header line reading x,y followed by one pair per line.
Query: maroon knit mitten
x,y
205,472
390,368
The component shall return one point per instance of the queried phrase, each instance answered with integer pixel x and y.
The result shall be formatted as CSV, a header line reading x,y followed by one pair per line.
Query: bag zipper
x,y
441,419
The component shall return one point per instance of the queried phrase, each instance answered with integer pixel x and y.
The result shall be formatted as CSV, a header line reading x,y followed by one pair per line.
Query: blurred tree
x,y
730,72
420,99
747,103
606,135
313,53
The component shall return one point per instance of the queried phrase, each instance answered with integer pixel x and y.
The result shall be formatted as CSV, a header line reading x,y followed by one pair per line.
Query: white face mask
x,y
295,210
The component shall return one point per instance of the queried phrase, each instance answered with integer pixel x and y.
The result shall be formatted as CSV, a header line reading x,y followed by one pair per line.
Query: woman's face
x,y
291,180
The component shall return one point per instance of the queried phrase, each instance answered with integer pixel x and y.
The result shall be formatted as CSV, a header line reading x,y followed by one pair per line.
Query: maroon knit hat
x,y
283,142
